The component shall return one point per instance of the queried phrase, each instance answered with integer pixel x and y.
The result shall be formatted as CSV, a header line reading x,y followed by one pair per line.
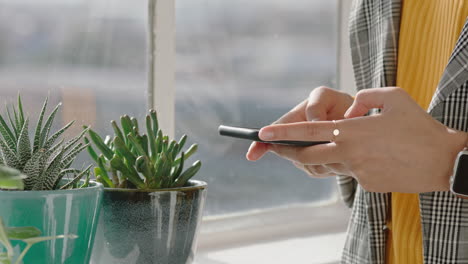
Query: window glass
x,y
245,63
88,54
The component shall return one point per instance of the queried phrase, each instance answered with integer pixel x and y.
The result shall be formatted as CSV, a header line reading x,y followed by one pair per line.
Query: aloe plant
x,y
29,235
44,161
131,159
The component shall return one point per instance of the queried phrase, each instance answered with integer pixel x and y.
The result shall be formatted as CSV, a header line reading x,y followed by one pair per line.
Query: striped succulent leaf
x,y
47,161
34,168
49,175
24,146
9,155
37,135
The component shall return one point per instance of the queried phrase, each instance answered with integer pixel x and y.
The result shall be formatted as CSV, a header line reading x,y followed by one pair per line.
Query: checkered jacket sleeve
x,y
374,30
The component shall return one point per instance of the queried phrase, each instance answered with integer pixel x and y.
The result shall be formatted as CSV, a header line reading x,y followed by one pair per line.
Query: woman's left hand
x,y
402,149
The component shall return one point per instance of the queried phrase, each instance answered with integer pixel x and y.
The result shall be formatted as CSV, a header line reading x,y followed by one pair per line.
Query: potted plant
x,y
29,235
151,209
45,199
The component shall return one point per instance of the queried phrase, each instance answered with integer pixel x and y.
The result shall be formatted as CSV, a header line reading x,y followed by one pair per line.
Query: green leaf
x,y
179,168
20,233
24,146
13,124
97,140
99,178
70,157
91,150
4,240
188,174
159,141
20,110
35,240
47,179
188,153
77,178
143,166
56,135
126,125
9,155
182,141
18,124
46,129
122,148
117,130
158,166
151,136
37,135
75,140
34,167
4,259
143,140
11,179
103,172
171,148
154,120
128,172
7,134
166,171
136,145
135,125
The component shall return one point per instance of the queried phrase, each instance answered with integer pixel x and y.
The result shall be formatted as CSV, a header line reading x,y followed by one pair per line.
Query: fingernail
x,y
251,146
248,152
252,157
266,135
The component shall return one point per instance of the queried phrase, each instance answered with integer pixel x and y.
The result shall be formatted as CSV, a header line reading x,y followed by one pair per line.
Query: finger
x,y
256,151
316,111
297,114
317,171
319,104
368,99
337,168
303,131
315,155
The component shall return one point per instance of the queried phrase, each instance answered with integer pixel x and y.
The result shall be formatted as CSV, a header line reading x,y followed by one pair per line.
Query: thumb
x,y
368,99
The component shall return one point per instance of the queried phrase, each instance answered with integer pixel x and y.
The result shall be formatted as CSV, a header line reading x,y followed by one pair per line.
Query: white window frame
x,y
232,230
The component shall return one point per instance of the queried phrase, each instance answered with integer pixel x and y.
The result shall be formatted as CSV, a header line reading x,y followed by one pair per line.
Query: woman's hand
x,y
402,149
323,104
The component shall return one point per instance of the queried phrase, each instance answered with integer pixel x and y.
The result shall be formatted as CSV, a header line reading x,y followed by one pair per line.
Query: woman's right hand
x,y
323,104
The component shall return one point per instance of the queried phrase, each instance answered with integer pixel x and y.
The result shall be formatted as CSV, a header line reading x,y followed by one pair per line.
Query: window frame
x,y
232,230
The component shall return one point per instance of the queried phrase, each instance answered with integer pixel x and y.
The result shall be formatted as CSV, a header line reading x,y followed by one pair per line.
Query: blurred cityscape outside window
x,y
246,63
239,63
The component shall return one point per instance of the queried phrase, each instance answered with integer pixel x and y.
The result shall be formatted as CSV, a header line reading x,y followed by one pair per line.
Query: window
x,y
89,54
239,62
246,63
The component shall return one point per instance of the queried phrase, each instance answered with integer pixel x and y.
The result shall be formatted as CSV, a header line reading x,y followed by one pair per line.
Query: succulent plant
x,y
44,162
132,159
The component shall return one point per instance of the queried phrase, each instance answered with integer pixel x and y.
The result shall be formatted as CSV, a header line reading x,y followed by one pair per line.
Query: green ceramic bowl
x,y
58,212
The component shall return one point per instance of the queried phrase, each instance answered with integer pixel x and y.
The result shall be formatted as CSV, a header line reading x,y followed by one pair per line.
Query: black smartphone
x,y
252,134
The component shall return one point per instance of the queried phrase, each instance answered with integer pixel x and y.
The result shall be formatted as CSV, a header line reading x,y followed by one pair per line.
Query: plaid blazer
x,y
374,30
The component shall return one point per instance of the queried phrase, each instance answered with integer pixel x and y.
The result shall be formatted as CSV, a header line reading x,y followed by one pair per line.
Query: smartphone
x,y
252,134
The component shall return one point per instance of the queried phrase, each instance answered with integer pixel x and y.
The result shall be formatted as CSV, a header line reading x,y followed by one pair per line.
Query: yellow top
x,y
429,31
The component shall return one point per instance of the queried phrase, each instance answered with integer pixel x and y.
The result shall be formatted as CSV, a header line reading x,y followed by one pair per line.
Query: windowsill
x,y
298,234
323,249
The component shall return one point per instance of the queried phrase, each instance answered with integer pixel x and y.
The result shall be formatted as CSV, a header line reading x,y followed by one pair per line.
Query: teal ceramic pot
x,y
142,227
58,212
